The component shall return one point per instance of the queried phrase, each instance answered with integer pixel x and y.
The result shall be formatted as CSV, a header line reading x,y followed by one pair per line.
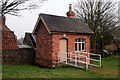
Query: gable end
x,y
40,19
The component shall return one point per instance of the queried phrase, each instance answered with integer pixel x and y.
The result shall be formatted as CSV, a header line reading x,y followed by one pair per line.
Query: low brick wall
x,y
18,56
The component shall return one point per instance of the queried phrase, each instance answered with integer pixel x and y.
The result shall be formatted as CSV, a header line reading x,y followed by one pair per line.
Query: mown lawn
x,y
109,69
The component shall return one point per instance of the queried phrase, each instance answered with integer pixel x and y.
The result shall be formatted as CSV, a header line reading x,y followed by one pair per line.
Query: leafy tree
x,y
102,19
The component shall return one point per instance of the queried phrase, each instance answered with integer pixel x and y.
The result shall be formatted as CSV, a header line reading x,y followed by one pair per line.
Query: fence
x,y
78,59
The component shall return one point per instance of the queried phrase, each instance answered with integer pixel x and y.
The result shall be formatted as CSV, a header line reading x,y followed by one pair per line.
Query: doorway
x,y
63,49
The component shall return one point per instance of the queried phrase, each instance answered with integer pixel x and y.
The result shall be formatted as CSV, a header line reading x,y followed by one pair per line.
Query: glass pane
x,y
75,46
75,40
79,46
83,46
79,40
83,40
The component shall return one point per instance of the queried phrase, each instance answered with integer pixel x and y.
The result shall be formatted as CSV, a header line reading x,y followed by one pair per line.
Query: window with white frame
x,y
80,44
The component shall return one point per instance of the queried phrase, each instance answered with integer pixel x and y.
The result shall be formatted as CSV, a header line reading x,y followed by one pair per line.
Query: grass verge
x,y
109,69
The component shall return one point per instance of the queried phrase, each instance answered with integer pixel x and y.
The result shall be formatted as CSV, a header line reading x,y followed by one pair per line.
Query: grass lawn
x,y
109,69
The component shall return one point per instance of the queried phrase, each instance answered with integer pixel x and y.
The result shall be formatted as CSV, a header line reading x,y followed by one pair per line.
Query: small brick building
x,y
55,34
7,37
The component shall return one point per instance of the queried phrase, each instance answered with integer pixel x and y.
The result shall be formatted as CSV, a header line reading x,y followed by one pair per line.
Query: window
x,y
80,44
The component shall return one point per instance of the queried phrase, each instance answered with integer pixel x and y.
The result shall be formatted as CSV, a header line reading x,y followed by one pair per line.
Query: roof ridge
x,y
51,15
59,16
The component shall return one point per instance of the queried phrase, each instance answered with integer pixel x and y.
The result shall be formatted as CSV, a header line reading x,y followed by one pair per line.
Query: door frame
x,y
66,48
66,43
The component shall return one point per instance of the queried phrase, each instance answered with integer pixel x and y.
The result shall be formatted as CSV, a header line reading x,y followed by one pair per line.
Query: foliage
x,y
101,17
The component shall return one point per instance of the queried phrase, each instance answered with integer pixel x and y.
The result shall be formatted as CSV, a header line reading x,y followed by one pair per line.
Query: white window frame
x,y
81,41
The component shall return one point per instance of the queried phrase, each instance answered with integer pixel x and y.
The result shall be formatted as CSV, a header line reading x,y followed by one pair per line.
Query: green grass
x,y
111,62
28,71
109,67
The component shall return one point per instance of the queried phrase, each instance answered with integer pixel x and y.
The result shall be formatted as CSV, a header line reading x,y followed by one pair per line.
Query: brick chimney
x,y
70,13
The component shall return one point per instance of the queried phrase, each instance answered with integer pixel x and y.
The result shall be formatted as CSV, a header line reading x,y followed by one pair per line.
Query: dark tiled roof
x,y
29,40
64,24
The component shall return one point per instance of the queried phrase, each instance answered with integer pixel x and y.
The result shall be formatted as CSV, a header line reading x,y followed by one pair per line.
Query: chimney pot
x,y
70,7
70,13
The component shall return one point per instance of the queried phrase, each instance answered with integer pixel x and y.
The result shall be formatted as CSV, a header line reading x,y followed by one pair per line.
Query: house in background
x,y
9,40
29,40
57,34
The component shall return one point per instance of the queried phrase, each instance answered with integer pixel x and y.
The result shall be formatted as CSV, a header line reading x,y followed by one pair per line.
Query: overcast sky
x,y
27,21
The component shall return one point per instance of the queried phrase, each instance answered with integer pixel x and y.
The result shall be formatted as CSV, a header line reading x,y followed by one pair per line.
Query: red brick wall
x,y
18,56
0,40
8,40
43,47
71,43
47,47
55,47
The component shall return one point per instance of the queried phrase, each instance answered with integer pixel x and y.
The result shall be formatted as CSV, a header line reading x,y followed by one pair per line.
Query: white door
x,y
63,50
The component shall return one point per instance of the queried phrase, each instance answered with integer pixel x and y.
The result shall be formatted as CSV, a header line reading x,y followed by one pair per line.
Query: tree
x,y
101,18
20,41
116,34
13,7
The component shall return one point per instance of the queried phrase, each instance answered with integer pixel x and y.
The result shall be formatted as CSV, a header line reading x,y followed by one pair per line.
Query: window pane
x,y
79,46
79,40
83,46
75,46
76,40
83,40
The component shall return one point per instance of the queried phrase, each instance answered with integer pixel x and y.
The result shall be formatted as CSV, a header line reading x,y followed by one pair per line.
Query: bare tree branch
x,y
100,16
13,7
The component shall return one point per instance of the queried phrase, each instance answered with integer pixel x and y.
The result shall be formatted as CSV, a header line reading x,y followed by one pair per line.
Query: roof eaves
x,y
70,32
36,25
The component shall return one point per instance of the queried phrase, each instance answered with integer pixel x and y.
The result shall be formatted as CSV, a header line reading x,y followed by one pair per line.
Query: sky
x,y
27,21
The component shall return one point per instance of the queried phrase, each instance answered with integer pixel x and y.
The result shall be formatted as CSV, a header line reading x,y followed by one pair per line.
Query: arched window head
x,y
79,44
